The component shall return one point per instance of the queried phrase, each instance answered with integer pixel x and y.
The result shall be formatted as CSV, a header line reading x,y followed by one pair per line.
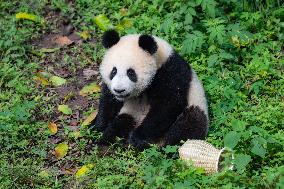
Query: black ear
x,y
110,38
148,43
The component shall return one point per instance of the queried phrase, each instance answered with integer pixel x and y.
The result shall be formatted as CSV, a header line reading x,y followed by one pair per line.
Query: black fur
x,y
109,107
110,38
120,127
191,124
132,75
148,43
112,73
167,97
168,116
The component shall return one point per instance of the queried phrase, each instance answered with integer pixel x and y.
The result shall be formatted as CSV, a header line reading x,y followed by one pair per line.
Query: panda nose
x,y
119,90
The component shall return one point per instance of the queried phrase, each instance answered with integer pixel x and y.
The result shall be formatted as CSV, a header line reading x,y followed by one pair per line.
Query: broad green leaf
x,y
241,161
258,150
103,22
90,89
57,81
188,19
257,146
61,150
238,125
231,139
65,109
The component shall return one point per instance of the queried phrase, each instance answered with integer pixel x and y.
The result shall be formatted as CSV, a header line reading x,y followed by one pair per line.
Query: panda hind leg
x,y
192,123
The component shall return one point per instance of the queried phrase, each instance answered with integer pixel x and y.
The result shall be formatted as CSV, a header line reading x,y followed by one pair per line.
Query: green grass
x,y
235,47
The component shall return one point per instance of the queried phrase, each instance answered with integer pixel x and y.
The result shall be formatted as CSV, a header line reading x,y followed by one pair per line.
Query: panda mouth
x,y
122,96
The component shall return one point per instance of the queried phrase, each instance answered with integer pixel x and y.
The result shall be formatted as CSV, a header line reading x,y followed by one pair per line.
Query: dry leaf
x,y
90,118
90,89
52,128
61,150
63,40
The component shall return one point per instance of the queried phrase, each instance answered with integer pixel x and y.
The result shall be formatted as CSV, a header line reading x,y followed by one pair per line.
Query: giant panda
x,y
150,94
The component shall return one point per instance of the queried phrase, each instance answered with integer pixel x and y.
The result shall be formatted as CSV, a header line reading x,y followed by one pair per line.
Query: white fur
x,y
196,95
127,54
138,108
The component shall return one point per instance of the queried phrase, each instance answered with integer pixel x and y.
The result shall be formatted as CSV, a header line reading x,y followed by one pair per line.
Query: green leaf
x,y
57,81
258,148
208,6
192,42
65,109
188,19
241,161
103,22
238,125
212,60
231,139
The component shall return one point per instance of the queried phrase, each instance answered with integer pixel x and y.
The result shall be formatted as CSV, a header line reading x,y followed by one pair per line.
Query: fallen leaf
x,y
61,150
46,50
103,22
68,96
57,81
42,79
90,118
89,73
123,11
44,174
65,109
84,170
126,23
75,134
63,40
52,128
85,35
28,16
90,89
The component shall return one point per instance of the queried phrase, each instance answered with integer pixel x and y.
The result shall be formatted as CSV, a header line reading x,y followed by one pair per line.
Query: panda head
x,y
129,64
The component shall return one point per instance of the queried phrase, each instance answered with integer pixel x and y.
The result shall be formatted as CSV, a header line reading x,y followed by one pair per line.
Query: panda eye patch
x,y
113,73
132,75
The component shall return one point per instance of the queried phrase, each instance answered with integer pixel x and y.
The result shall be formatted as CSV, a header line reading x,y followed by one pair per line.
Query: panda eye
x,y
113,73
132,75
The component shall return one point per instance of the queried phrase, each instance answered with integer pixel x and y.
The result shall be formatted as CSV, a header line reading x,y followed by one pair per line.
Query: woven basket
x,y
204,155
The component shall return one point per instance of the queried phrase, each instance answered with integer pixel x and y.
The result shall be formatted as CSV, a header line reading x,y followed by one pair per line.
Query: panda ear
x,y
110,38
148,43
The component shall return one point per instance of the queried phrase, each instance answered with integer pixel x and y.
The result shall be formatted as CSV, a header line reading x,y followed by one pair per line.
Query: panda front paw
x,y
108,136
138,143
